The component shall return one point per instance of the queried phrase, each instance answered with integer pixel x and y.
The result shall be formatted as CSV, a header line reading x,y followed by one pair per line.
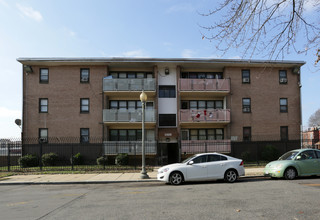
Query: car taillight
x,y
241,164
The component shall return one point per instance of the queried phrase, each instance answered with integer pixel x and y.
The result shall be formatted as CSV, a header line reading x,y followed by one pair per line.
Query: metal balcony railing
x,y
148,84
129,147
205,146
221,85
128,115
205,115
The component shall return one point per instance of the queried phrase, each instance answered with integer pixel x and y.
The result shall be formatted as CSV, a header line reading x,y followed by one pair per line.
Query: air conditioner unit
x,y
245,80
283,80
246,109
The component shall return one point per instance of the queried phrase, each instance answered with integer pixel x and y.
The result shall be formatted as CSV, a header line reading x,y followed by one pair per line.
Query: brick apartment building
x,y
193,104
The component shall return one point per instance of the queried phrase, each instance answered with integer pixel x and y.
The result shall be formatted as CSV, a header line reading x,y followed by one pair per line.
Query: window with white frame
x,y
84,75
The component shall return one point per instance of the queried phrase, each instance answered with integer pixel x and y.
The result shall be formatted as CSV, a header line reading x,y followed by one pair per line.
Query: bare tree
x,y
268,27
314,119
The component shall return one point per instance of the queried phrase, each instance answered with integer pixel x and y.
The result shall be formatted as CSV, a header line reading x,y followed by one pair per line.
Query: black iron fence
x,y
71,154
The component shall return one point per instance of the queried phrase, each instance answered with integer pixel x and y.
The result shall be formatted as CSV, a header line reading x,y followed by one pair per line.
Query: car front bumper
x,y
277,173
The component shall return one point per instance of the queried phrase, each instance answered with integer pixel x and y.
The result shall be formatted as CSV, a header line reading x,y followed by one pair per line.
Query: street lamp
x,y
143,99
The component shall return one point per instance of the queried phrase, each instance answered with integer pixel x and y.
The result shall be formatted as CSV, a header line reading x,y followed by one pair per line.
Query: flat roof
x,y
189,62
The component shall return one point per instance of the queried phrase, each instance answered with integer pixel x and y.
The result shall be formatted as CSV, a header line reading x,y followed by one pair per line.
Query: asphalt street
x,y
249,198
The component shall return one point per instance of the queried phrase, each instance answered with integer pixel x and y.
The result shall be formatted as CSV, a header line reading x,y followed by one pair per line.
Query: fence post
x,y
135,156
72,157
40,153
8,159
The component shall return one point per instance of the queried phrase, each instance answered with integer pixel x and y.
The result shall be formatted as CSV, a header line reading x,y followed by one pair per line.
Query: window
x,y
201,75
214,157
246,105
215,104
84,135
84,105
44,75
131,75
167,119
245,76
134,104
247,133
283,105
43,105
200,159
43,135
207,134
84,75
283,77
307,155
284,133
167,91
130,135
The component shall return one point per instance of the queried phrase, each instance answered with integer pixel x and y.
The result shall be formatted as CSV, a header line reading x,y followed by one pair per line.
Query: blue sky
x,y
105,28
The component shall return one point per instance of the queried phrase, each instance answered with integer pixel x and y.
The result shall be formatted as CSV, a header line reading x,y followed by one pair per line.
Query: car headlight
x,y
278,166
164,170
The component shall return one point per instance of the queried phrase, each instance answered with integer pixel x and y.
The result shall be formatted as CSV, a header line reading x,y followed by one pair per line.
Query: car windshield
x,y
188,159
289,155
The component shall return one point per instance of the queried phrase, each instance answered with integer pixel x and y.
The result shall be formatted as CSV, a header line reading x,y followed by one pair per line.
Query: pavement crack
x,y
62,206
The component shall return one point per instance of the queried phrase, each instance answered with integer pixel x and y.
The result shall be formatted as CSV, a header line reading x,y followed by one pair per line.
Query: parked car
x,y
300,162
201,167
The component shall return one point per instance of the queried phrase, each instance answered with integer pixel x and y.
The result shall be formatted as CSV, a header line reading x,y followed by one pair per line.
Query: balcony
x,y
205,86
191,116
129,147
128,115
204,146
127,86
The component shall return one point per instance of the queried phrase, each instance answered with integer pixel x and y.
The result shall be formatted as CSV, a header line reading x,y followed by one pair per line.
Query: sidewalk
x,y
94,178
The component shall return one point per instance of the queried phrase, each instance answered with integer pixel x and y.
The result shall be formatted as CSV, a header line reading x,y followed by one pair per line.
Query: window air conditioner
x,y
245,80
283,80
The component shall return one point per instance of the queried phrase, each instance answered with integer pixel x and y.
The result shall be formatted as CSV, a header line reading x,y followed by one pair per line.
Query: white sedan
x,y
201,167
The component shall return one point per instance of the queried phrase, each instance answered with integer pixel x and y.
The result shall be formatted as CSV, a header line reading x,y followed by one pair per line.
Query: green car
x,y
301,162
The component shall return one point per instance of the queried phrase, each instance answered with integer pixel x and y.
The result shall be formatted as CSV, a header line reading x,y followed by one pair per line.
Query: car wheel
x,y
290,173
230,176
176,178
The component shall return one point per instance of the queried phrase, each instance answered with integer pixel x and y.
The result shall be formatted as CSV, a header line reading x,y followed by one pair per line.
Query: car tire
x,y
290,173
176,178
230,176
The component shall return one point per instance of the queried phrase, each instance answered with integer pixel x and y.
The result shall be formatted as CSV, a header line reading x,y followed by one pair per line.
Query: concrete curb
x,y
95,182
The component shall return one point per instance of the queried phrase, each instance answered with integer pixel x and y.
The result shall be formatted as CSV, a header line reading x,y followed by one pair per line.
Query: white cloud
x,y
135,53
69,32
184,7
3,2
187,53
311,6
30,12
5,112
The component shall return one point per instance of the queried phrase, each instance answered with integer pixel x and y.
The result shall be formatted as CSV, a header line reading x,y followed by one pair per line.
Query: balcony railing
x,y
222,85
148,84
205,115
128,115
129,147
204,146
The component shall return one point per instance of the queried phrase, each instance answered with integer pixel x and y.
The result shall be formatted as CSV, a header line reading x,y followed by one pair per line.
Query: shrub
x,y
77,159
49,159
122,159
270,153
102,160
246,156
28,161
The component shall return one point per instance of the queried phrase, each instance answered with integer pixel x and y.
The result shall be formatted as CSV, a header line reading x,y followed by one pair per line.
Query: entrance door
x,y
173,153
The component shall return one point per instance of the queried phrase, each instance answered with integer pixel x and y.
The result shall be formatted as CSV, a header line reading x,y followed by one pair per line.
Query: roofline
x,y
33,60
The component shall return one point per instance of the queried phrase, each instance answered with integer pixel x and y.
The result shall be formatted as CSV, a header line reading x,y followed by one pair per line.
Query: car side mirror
x,y
298,157
191,162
